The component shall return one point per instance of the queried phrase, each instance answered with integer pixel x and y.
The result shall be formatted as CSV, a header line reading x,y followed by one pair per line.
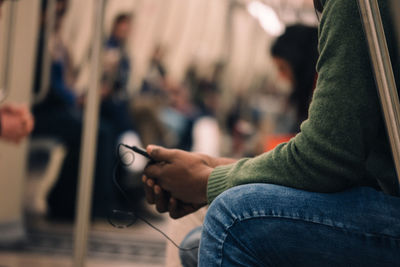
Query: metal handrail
x,y
44,85
8,49
383,71
89,141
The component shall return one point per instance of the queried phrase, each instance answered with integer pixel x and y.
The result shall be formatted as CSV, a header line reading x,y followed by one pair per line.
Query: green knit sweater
x,y
343,143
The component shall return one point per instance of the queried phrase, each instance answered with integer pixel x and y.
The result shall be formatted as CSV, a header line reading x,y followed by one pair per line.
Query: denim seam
x,y
220,244
225,234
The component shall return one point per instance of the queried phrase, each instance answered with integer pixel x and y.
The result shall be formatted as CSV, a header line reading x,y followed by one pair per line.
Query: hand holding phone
x,y
139,151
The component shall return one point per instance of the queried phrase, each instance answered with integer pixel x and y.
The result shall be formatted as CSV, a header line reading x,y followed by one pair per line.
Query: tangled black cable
x,y
132,214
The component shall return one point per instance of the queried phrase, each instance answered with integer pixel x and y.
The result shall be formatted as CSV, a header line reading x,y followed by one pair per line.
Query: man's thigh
x,y
268,225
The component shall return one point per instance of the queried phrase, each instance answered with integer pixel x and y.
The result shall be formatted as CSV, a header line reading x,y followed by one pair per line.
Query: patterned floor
x,y
138,245
100,246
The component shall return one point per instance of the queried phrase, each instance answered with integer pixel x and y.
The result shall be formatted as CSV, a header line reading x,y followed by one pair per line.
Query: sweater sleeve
x,y
329,153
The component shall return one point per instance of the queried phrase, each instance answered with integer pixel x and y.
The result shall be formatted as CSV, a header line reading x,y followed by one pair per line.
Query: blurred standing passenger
x,y
59,116
117,68
151,100
155,82
115,105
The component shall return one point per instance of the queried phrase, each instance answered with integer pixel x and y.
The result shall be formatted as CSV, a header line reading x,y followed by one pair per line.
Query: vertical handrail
x,y
44,85
7,60
89,141
383,71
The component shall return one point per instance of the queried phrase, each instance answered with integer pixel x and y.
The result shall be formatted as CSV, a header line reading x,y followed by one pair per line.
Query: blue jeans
x,y
269,225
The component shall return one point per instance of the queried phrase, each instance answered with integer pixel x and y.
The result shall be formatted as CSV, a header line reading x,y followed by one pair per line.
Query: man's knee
x,y
241,197
233,206
247,201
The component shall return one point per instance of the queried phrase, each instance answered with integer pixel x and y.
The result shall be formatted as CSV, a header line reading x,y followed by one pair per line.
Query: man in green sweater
x,y
327,197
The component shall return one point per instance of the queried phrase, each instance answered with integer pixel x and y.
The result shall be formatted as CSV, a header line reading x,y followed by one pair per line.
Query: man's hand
x,y
16,122
165,203
182,174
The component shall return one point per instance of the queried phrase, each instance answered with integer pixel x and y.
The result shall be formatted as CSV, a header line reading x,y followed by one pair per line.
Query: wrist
x,y
216,162
204,186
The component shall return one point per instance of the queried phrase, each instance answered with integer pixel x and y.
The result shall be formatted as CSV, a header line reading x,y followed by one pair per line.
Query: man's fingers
x,y
173,208
153,170
161,154
148,189
178,209
161,199
155,194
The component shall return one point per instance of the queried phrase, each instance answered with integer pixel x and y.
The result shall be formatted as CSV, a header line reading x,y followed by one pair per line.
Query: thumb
x,y
160,154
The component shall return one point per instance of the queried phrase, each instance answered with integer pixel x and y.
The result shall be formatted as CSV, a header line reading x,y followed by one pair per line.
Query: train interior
x,y
199,75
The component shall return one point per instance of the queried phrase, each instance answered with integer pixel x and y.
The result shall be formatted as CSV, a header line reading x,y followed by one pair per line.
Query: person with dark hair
x,y
318,5
295,53
328,197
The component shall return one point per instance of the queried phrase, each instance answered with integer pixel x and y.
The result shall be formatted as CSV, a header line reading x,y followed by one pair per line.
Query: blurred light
x,y
267,18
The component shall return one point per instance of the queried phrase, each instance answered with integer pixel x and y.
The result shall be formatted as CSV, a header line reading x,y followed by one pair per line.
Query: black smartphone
x,y
140,151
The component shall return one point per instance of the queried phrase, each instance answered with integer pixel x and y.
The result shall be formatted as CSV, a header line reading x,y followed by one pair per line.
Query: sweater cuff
x,y
217,182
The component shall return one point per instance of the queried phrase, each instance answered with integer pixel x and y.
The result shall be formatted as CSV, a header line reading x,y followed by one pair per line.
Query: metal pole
x,y
383,71
89,140
46,59
6,64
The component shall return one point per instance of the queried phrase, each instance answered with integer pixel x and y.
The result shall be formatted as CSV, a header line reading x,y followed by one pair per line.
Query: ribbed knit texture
x,y
343,143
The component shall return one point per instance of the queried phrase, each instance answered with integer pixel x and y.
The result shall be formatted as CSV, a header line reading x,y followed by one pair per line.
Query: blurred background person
x,y
117,69
117,103
295,54
59,116
203,129
155,80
